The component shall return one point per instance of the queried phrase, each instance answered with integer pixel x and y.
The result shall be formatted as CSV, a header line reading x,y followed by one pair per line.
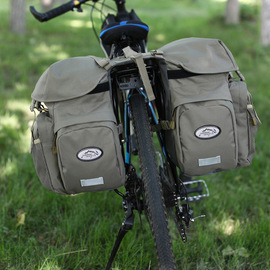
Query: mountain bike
x,y
157,187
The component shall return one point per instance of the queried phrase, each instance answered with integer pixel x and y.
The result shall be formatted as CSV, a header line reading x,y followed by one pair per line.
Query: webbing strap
x,y
180,74
137,57
102,87
164,125
102,62
240,75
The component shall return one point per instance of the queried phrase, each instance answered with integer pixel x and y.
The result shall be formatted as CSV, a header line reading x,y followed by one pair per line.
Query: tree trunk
x,y
232,12
17,16
265,23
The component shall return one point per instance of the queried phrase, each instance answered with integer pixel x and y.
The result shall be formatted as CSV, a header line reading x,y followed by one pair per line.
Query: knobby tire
x,y
156,209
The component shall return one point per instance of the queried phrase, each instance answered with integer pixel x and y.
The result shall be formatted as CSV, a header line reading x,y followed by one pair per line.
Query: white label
x,y
209,161
207,132
92,182
89,154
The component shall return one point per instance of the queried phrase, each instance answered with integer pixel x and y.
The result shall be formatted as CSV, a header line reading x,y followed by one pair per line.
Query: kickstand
x,y
126,226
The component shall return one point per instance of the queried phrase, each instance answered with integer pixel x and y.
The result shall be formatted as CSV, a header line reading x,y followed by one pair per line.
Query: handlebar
x,y
43,17
70,6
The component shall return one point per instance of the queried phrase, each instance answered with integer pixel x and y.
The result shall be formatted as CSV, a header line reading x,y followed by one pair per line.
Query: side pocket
x,y
206,139
45,160
247,122
90,157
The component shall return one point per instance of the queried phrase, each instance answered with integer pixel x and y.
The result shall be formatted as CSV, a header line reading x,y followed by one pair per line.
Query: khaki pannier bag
x,y
75,138
215,121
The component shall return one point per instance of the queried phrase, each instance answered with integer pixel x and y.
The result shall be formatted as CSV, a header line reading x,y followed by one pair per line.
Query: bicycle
x,y
160,187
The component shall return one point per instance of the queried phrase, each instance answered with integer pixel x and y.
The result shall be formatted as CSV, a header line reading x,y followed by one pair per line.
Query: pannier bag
x,y
75,138
215,121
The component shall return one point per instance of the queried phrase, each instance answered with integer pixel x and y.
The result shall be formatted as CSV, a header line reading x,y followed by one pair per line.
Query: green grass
x,y
61,232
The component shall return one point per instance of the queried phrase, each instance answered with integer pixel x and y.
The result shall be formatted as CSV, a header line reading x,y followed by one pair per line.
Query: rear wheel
x,y
156,209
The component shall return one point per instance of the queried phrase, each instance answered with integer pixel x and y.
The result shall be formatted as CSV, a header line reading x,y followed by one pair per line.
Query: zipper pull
x,y
250,110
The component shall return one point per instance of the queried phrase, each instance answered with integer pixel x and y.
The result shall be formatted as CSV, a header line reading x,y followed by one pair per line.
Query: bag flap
x,y
68,79
85,109
199,55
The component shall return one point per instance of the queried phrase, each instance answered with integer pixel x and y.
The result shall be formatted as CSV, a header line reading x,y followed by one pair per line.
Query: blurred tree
x,y
265,23
17,16
232,12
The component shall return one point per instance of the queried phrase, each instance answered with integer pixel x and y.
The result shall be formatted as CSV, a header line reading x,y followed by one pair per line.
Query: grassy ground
x,y
42,230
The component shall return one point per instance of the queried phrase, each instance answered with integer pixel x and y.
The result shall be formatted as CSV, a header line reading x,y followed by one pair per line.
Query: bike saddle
x,y
113,30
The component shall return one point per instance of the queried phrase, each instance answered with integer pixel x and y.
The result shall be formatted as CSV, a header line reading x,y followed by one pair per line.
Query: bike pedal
x,y
198,187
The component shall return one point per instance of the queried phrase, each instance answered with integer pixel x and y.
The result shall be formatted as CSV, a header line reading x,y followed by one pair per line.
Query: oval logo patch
x,y
89,154
207,132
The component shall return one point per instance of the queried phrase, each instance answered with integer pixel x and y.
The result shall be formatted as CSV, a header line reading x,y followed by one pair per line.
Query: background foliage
x,y
42,230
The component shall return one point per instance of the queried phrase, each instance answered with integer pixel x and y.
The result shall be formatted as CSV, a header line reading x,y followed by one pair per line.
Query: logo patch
x,y
207,132
89,154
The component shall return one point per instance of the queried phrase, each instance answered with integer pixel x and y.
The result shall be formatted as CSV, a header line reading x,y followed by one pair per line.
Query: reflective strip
x,y
209,161
92,182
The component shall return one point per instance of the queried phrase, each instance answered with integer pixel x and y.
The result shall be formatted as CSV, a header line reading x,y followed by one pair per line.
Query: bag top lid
x,y
68,79
200,55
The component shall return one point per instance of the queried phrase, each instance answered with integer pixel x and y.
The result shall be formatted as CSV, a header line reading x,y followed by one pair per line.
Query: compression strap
x,y
137,57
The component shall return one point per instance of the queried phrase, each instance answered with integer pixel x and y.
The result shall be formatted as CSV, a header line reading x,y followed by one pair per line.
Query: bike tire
x,y
156,209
